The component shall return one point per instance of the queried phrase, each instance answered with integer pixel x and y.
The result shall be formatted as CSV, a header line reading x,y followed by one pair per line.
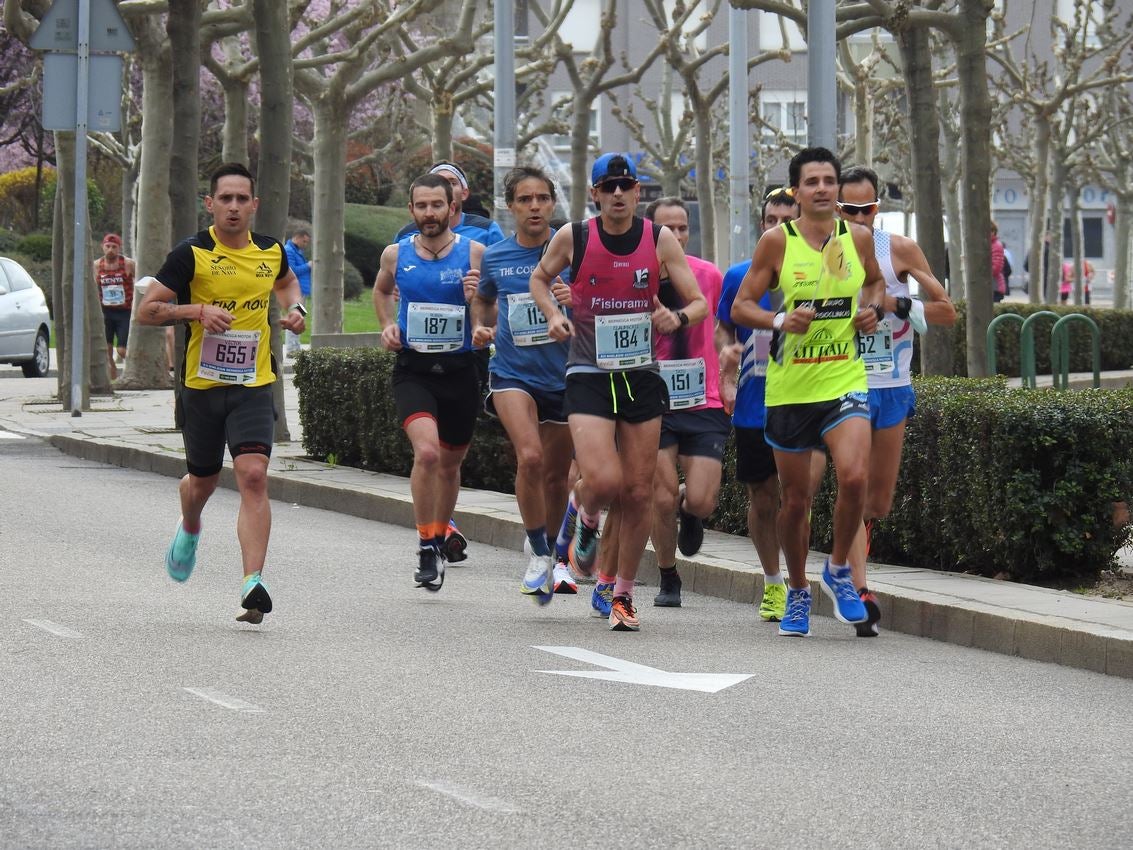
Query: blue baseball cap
x,y
610,166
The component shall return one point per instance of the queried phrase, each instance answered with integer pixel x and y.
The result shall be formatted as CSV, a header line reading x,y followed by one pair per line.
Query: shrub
x,y
37,246
992,480
352,283
368,230
9,241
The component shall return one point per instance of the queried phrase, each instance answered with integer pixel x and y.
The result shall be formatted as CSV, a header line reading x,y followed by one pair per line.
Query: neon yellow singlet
x,y
824,364
241,281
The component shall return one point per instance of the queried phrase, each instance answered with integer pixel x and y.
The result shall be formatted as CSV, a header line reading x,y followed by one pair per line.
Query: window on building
x,y
580,26
1092,243
1089,14
562,142
786,112
771,28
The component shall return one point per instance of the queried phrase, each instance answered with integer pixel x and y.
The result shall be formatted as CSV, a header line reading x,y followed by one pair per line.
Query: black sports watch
x,y
683,317
298,306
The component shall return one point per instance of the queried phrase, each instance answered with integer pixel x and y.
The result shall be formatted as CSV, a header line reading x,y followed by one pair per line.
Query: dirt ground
x,y
1117,584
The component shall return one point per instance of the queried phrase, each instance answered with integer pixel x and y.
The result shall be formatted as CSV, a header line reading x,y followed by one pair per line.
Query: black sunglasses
x,y
857,209
623,183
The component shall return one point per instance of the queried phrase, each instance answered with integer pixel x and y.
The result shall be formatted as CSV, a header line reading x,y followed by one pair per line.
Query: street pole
x,y
503,159
822,89
78,279
739,135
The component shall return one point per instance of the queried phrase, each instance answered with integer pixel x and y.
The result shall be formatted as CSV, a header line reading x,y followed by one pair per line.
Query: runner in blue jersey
x,y
527,375
741,391
435,382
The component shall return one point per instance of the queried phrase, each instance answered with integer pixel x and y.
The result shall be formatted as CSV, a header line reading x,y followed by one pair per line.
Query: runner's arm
x,y
672,256
559,254
485,315
938,309
873,289
384,285
288,293
765,263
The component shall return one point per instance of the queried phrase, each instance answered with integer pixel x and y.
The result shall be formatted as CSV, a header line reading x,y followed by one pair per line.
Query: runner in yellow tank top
x,y
816,391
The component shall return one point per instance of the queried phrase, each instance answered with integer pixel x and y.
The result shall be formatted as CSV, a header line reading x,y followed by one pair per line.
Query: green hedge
x,y
993,480
1116,327
368,230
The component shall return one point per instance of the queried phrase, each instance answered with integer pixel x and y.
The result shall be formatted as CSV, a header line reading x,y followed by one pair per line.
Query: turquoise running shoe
x,y
254,599
182,554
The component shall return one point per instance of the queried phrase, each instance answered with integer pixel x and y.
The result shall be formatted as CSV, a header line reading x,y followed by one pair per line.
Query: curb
x,y
1053,639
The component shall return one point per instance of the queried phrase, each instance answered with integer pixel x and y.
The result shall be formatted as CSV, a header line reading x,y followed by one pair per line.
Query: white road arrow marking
x,y
54,628
224,700
639,674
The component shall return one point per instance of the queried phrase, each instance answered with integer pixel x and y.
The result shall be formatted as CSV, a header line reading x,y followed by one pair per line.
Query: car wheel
x,y
40,364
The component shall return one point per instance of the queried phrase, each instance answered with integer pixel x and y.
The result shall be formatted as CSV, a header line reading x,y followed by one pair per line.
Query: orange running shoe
x,y
623,616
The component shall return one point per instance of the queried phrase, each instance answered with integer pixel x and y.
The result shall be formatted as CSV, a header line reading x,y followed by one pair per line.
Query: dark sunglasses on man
x,y
857,209
623,183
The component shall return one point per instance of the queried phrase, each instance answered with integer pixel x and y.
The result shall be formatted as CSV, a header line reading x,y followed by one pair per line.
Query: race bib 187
x,y
434,328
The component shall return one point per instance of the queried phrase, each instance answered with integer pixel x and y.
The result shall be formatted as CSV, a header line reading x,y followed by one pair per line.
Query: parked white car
x,y
25,324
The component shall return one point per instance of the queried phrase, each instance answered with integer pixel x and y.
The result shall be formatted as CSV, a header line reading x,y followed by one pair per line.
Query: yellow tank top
x,y
822,364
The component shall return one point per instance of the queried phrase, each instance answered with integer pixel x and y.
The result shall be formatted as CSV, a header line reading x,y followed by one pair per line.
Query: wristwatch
x,y
298,306
683,317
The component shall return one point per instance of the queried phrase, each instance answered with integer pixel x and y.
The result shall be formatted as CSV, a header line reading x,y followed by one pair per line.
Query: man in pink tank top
x,y
614,394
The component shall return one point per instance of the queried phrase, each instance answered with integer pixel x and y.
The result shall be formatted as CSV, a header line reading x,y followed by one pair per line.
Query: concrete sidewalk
x,y
134,429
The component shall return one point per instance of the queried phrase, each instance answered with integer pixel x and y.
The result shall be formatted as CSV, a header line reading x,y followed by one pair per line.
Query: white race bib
x,y
434,328
229,357
876,349
114,295
624,341
760,342
685,380
527,323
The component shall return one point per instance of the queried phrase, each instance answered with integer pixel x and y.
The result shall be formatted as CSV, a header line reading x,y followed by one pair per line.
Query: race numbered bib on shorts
x,y
876,349
114,295
229,357
623,342
685,380
527,322
434,328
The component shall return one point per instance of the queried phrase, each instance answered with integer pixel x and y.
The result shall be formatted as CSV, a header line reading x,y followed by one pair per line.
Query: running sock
x,y
836,567
566,530
623,587
538,540
250,580
591,520
188,530
553,546
775,579
863,590
668,571
601,579
425,534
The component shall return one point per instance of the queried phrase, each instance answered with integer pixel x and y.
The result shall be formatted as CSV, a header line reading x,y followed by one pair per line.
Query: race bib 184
x,y
624,341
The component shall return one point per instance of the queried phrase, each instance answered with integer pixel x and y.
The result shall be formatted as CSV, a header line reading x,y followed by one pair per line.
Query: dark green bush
x,y
346,410
1012,481
367,232
1116,327
352,285
37,246
9,241
992,480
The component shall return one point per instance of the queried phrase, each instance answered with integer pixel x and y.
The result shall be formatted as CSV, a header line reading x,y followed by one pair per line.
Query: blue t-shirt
x,y
750,407
432,314
298,262
527,354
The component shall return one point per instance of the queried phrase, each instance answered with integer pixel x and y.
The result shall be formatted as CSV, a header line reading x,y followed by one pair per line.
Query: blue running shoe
x,y
583,549
796,622
839,586
602,600
537,582
254,599
182,554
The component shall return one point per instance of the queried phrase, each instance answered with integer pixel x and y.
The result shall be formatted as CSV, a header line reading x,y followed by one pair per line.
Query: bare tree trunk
x,y
329,213
579,152
1123,237
129,207
145,358
704,182
60,298
184,28
234,144
1057,207
443,114
863,123
975,121
924,132
273,45
1077,246
1039,217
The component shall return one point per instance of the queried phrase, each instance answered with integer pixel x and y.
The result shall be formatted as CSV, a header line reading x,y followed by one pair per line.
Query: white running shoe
x,y
537,581
564,582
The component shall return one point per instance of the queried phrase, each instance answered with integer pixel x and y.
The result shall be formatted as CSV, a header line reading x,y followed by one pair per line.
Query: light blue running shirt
x,y
524,352
750,410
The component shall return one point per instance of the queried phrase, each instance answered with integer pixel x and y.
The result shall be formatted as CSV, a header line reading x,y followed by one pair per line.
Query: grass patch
x,y
358,317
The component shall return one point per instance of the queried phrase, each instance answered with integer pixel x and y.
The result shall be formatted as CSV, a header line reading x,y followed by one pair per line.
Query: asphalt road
x,y
367,713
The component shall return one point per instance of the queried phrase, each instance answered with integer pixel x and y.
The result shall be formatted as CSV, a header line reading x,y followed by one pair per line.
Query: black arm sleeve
x,y
177,272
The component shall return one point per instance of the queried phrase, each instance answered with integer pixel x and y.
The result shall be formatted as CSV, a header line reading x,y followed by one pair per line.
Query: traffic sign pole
x,y
78,280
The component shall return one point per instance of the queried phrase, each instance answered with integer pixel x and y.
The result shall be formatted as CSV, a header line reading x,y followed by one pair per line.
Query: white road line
x,y
469,798
54,628
224,700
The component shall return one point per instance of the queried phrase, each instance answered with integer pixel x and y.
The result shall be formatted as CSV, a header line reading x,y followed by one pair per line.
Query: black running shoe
x,y
873,615
670,595
690,531
430,568
455,545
